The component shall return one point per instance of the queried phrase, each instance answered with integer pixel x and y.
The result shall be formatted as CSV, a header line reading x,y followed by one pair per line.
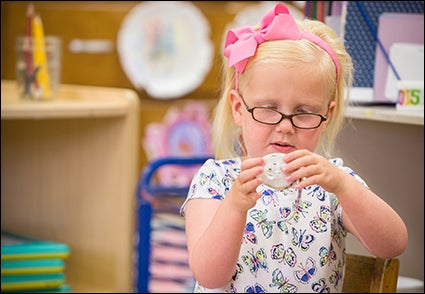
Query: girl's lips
x,y
282,147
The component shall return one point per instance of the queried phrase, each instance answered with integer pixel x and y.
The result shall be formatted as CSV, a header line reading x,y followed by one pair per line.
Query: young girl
x,y
283,93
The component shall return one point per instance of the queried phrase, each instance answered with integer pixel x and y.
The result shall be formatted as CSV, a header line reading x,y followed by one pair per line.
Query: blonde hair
x,y
227,140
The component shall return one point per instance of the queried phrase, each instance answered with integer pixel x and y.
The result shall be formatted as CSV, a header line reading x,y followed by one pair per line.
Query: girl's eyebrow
x,y
277,103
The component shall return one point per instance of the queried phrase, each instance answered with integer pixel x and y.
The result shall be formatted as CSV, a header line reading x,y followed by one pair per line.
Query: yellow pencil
x,y
40,60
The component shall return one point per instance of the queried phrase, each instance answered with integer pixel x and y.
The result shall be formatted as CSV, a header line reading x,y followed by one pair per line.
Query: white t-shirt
x,y
294,240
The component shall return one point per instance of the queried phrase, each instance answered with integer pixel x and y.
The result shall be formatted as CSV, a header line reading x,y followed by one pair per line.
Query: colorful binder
x,y
32,282
65,288
32,266
20,247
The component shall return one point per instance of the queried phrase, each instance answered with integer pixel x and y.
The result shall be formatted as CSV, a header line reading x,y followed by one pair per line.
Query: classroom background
x,y
70,173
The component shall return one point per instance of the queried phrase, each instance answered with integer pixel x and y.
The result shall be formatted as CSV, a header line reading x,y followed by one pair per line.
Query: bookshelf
x,y
385,114
386,148
69,171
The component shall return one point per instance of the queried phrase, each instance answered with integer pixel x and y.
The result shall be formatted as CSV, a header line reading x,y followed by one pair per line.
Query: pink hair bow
x,y
277,24
241,43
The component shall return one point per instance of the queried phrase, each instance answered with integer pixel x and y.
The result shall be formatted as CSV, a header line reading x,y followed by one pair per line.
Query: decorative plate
x,y
164,48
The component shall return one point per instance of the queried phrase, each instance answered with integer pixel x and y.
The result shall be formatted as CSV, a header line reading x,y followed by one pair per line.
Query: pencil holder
x,y
38,67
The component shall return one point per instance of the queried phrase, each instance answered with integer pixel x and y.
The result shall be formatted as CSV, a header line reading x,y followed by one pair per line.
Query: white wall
x,y
390,158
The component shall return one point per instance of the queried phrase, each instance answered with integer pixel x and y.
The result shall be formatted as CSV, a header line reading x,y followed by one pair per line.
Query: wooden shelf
x,y
385,114
69,173
73,102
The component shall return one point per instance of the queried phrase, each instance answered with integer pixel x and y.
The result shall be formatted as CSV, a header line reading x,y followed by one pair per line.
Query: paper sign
x,y
408,59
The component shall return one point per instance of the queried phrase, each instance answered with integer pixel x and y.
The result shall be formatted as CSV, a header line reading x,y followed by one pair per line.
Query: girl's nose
x,y
285,126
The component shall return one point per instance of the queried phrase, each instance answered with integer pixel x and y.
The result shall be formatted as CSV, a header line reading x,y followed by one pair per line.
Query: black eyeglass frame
x,y
283,116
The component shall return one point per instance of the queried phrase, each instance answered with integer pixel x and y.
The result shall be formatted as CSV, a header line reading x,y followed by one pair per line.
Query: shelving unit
x,y
386,114
69,171
385,146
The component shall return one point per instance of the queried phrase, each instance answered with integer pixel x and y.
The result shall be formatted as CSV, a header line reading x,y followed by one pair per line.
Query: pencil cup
x,y
38,67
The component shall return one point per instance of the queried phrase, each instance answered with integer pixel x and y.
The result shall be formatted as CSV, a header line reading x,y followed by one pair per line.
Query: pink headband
x,y
277,24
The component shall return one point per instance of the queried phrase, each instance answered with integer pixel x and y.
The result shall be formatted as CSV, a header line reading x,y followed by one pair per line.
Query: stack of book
x,y
32,265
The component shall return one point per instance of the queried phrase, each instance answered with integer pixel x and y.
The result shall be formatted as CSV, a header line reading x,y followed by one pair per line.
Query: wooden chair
x,y
369,274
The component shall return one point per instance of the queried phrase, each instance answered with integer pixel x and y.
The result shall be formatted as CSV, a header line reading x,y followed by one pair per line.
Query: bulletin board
x,y
359,39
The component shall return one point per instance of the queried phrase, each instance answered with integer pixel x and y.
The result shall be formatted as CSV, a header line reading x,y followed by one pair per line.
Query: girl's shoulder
x,y
339,162
223,164
223,168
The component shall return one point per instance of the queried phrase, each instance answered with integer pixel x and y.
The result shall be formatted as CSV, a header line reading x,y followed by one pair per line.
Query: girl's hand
x,y
243,195
314,169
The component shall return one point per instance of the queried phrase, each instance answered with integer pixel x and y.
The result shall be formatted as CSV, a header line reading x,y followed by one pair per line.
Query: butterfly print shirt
x,y
294,240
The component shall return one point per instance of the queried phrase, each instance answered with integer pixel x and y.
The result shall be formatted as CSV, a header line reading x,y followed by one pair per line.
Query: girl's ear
x,y
332,106
236,106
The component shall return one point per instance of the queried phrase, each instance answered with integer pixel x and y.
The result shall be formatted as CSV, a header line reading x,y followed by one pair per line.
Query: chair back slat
x,y
369,274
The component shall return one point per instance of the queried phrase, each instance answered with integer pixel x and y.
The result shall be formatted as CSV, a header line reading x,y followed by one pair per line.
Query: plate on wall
x,y
165,48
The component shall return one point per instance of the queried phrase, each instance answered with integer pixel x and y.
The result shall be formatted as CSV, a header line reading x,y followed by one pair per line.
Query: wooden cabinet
x,y
69,171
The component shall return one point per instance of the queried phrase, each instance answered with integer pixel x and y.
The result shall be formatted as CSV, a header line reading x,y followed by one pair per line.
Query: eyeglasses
x,y
270,116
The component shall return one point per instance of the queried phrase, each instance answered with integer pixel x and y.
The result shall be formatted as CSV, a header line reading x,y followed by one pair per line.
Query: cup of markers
x,y
38,67
38,60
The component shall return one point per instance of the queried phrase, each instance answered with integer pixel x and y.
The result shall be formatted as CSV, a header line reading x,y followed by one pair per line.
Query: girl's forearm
x,y
214,255
375,223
